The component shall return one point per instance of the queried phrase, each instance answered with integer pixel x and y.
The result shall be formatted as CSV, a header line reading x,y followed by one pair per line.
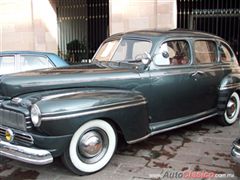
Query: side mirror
x,y
146,60
165,54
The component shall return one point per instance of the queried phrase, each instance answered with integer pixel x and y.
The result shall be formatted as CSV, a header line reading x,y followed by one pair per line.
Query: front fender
x,y
64,113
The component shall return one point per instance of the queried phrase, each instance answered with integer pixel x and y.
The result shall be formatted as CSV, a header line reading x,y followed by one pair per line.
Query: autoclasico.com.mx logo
x,y
189,175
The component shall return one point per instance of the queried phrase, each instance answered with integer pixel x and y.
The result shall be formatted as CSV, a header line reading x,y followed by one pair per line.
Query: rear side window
x,y
30,62
205,52
225,53
7,64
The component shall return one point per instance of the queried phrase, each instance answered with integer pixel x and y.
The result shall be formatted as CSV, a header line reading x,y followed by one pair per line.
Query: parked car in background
x,y
236,150
140,83
18,61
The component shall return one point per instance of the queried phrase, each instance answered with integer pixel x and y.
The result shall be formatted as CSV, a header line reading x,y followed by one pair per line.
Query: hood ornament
x,y
16,100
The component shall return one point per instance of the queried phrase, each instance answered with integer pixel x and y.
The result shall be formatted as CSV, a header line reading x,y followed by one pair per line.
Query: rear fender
x,y
229,84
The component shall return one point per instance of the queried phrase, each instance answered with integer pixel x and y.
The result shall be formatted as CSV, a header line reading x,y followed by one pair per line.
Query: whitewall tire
x,y
91,148
232,110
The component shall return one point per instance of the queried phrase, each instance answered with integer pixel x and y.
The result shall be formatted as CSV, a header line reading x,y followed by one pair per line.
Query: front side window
x,y
30,62
7,64
124,50
205,52
175,52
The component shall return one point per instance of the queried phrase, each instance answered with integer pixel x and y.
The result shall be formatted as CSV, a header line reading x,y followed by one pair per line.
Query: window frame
x,y
233,56
18,57
103,43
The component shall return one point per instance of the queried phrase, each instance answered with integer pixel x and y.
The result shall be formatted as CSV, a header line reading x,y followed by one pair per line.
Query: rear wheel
x,y
91,148
231,112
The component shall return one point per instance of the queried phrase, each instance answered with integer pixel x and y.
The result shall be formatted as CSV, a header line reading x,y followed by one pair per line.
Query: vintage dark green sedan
x,y
140,83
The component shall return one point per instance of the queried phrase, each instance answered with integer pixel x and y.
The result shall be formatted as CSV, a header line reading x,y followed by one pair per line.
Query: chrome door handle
x,y
196,73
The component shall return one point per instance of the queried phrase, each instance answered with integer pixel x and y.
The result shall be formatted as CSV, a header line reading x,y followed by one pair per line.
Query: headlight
x,y
36,115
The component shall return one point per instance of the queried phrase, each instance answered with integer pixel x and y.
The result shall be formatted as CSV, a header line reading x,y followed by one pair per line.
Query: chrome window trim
x,y
40,55
187,40
222,42
216,53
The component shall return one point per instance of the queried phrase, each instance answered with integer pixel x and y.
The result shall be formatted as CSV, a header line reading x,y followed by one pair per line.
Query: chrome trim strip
x,y
185,124
235,154
76,80
236,144
170,128
76,92
139,139
230,86
25,154
59,95
96,107
92,112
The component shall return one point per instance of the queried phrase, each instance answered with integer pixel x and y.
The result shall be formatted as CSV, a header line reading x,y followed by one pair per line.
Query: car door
x,y
173,87
208,75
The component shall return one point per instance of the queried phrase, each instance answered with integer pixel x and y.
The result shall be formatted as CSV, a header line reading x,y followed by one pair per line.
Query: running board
x,y
170,128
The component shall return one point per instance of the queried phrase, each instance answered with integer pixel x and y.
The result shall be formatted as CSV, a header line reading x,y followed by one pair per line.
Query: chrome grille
x,y
12,119
28,122
18,135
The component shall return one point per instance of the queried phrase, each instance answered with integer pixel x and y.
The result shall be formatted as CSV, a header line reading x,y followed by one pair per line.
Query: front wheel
x,y
91,148
231,112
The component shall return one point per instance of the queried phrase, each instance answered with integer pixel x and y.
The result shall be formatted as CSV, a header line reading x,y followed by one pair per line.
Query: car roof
x,y
27,52
55,59
156,33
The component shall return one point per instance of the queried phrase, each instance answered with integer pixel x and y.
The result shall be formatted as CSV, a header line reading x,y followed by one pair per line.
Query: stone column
x,y
16,32
28,25
128,15
166,14
44,21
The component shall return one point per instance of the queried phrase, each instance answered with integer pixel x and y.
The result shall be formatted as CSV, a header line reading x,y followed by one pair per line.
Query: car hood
x,y
69,77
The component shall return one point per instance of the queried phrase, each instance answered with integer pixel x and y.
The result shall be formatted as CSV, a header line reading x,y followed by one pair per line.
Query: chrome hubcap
x,y
231,108
92,146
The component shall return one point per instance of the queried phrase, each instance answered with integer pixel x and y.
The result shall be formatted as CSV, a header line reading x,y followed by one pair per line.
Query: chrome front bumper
x,y
235,153
25,154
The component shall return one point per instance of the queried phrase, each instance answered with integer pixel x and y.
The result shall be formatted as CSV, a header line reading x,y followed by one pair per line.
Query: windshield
x,y
123,50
